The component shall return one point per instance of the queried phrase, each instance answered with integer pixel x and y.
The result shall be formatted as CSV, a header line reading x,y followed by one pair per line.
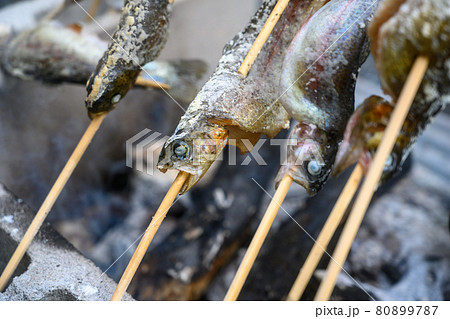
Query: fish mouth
x,y
345,157
92,115
348,155
191,180
298,175
194,175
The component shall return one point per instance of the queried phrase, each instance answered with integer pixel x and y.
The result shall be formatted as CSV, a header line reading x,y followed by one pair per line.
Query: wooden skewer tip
x,y
148,236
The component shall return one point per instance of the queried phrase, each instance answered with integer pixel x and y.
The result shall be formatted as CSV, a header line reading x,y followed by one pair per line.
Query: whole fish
x,y
139,39
230,108
55,53
317,87
400,31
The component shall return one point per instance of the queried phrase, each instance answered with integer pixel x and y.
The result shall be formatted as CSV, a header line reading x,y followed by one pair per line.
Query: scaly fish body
x,y
229,107
318,86
139,38
364,132
401,30
53,53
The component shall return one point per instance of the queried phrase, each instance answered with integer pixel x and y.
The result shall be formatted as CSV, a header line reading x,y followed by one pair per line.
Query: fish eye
x,y
314,168
390,162
181,150
115,99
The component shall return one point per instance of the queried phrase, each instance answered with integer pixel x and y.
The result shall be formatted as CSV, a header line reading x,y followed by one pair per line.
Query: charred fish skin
x,y
139,38
53,53
416,27
400,31
318,84
243,108
364,132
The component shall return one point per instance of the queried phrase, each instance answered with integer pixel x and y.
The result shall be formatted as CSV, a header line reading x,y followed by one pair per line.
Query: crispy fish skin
x,y
237,107
364,132
401,31
416,27
139,38
318,86
54,53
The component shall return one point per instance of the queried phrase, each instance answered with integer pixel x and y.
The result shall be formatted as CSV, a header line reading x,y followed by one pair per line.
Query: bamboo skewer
x,y
148,236
258,239
141,81
182,176
262,37
93,10
325,235
280,194
368,187
56,11
50,199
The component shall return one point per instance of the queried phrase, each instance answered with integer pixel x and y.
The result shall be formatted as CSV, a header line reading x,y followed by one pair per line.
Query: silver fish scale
x,y
250,103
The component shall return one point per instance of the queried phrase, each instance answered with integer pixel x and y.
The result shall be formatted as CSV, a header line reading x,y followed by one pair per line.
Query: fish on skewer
x,y
318,84
139,38
400,31
233,109
55,53
364,132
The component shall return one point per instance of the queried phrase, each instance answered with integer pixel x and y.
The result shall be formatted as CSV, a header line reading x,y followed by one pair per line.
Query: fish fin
x,y
309,16
223,122
186,83
183,76
365,159
194,69
236,137
346,156
75,27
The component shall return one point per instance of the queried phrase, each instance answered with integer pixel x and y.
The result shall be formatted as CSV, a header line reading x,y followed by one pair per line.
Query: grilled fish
x,y
230,108
400,31
317,86
139,38
55,53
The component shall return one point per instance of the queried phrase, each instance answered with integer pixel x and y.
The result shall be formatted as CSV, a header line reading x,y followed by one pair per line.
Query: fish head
x,y
310,156
107,86
362,136
193,151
